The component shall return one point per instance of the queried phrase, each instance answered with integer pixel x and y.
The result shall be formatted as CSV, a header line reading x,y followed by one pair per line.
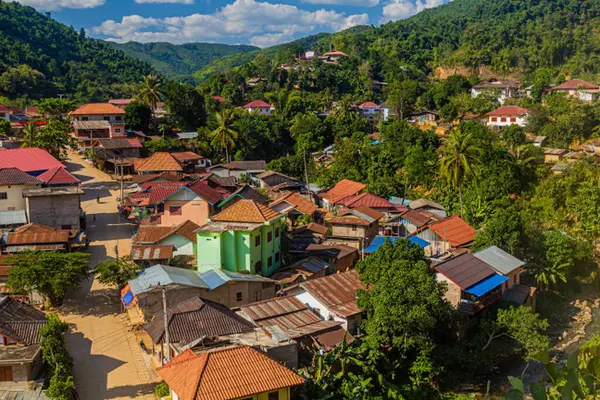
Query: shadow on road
x,y
91,382
98,303
130,391
71,167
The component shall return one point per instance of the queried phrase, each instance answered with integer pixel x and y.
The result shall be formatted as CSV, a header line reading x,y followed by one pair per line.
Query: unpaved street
x,y
108,361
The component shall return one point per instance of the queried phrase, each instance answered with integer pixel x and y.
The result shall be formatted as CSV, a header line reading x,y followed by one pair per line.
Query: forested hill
x,y
180,61
40,57
506,36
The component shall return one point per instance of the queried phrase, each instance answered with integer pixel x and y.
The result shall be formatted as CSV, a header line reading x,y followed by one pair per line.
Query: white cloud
x,y
165,1
53,5
357,3
394,10
262,23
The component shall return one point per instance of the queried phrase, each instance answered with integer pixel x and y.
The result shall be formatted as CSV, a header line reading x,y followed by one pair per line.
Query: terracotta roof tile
x,y
157,192
420,217
313,227
574,84
368,104
342,189
455,231
298,202
98,109
202,189
159,161
258,104
226,374
365,199
151,234
509,110
58,176
185,156
246,211
14,176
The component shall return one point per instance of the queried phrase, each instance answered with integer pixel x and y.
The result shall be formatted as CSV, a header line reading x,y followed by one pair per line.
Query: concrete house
x,y
579,89
238,168
13,182
195,202
162,161
259,107
506,116
411,221
294,205
369,110
20,352
243,237
368,200
58,207
216,375
142,296
181,238
97,121
333,297
273,178
502,89
472,284
503,263
450,233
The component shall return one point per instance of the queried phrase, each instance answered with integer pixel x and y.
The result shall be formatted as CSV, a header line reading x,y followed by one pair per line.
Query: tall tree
x,y
461,156
29,135
224,136
150,92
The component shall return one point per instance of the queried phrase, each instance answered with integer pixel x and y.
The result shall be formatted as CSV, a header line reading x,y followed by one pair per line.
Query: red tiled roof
x,y
342,189
298,202
508,110
257,104
28,159
120,102
365,199
368,104
159,161
219,99
202,189
337,292
14,176
152,234
158,191
58,176
335,53
313,227
98,109
4,109
185,156
455,231
575,84
226,374
246,211
420,217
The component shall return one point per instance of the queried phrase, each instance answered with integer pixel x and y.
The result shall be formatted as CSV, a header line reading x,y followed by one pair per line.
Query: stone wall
x,y
55,211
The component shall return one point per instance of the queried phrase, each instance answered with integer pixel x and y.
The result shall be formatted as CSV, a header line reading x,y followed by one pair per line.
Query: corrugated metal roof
x,y
310,264
487,285
20,322
196,318
149,253
336,292
465,270
149,278
57,236
12,217
187,135
499,259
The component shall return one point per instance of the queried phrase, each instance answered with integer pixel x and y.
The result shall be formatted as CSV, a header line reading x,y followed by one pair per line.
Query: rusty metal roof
x,y
336,292
465,270
57,236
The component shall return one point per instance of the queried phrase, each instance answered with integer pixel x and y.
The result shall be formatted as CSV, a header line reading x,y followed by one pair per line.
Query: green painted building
x,y
245,237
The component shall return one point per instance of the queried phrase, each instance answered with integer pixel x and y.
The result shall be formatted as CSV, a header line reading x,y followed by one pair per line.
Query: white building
x,y
259,106
507,115
503,89
100,112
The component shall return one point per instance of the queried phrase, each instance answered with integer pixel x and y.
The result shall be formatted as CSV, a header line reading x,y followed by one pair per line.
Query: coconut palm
x,y
29,134
149,92
461,156
224,136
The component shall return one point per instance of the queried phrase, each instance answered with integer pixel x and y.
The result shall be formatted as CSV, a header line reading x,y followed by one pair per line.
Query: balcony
x,y
473,307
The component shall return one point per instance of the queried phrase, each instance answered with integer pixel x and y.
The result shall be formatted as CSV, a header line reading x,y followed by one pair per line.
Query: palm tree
x,y
149,92
461,156
29,134
224,136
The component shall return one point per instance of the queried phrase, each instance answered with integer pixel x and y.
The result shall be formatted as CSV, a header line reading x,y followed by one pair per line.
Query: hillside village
x,y
312,224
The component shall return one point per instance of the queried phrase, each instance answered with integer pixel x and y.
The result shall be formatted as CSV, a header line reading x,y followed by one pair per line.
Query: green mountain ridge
x,y
180,61
40,57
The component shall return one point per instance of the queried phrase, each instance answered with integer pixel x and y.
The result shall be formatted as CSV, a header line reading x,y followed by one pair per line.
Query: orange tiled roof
x,y
342,189
98,109
226,374
298,202
246,211
455,231
151,234
159,161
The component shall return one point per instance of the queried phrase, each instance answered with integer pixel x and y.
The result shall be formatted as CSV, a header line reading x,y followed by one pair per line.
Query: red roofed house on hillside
x,y
97,121
355,227
578,88
217,375
369,110
121,103
447,234
219,99
507,115
343,189
259,106
504,89
333,57
369,200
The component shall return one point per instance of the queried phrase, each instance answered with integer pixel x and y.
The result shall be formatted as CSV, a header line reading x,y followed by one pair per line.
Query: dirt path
x,y
108,361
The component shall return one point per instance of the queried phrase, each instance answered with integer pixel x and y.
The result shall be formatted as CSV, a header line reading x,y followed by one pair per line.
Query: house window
x,y
513,119
494,119
239,297
269,237
118,118
503,119
270,262
175,210
107,118
258,267
353,228
277,232
274,396
257,241
3,196
84,118
65,227
117,130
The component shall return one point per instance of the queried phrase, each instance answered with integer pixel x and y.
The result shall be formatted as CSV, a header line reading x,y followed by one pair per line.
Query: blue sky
x,y
259,22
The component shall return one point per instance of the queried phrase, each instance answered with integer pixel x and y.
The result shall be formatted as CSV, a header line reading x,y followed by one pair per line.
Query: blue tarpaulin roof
x,y
487,285
380,240
128,298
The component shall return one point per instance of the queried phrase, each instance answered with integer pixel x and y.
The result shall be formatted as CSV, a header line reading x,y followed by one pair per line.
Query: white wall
x,y
183,246
319,308
15,199
521,121
113,119
261,111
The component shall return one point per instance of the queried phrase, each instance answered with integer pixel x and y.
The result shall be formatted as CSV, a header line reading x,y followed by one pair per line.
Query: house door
x,y
6,373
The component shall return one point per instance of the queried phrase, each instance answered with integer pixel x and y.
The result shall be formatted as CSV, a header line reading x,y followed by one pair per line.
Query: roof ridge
x,y
259,210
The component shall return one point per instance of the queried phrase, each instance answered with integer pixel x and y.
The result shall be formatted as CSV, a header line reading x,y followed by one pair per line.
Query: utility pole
x,y
167,341
121,162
